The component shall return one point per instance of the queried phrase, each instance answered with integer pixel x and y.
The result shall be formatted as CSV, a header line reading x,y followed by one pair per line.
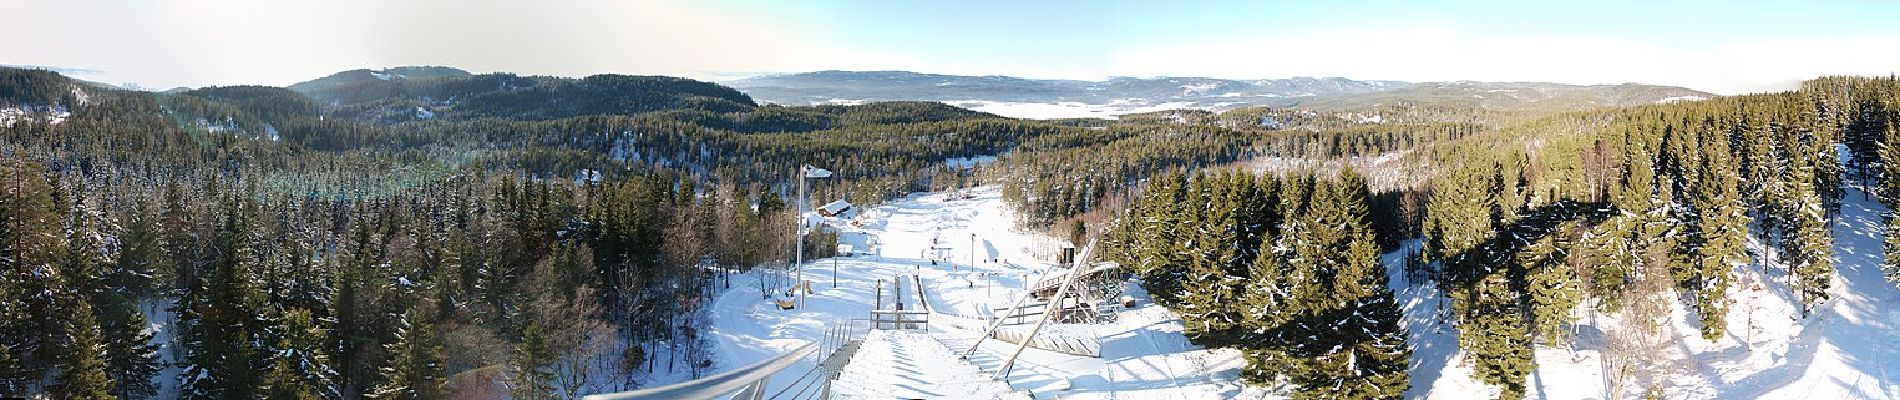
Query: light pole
x,y
798,261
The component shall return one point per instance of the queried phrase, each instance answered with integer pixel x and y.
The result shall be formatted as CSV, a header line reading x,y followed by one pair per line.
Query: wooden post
x,y
1075,274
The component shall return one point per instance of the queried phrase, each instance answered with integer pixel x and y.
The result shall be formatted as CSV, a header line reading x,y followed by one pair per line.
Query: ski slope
x,y
931,235
1847,349
912,365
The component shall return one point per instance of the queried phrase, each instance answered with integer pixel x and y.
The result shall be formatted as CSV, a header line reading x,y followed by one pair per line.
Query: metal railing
x,y
837,345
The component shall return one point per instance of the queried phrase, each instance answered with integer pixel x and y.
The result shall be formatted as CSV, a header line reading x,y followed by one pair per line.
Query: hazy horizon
x,y
1720,47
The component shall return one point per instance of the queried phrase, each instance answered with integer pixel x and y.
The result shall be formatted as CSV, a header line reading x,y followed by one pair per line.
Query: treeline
x,y
1532,219
281,296
1068,177
1052,178
1285,269
1618,209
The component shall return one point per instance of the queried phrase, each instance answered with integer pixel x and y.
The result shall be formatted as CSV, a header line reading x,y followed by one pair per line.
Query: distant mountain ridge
x,y
409,93
1187,92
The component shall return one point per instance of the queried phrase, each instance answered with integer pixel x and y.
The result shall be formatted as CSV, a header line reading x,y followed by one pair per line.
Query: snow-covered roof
x,y
836,207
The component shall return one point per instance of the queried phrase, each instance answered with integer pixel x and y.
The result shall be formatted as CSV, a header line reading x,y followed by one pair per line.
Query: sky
x,y
1726,47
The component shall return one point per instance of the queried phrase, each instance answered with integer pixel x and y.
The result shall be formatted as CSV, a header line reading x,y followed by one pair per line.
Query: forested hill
x,y
382,231
1184,92
424,230
424,92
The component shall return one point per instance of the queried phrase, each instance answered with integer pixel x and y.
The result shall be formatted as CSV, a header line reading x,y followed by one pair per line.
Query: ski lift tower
x,y
804,202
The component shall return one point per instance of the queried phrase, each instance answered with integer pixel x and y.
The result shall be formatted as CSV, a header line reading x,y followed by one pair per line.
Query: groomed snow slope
x,y
1145,355
912,365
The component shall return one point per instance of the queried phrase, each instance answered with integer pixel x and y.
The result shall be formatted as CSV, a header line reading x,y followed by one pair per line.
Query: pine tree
x,y
31,246
300,370
13,374
82,370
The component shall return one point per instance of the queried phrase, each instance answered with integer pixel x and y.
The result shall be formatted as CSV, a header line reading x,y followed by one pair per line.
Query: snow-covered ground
x,y
968,162
913,365
935,236
1846,349
1849,348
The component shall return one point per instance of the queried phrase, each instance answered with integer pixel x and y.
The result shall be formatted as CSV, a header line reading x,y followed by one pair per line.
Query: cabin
x,y
834,208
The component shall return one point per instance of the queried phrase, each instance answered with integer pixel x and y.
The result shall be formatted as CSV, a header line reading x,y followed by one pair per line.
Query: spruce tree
x,y
300,369
1723,229
140,251
131,356
530,367
415,370
1553,290
1323,318
223,354
1159,259
82,369
1812,260
1809,242
1211,287
1889,190
1495,335
1363,352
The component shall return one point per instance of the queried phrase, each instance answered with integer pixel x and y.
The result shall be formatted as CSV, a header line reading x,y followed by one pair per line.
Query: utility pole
x,y
798,260
973,252
799,253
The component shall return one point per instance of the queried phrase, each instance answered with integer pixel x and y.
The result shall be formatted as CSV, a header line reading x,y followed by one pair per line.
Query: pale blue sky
x,y
1727,47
